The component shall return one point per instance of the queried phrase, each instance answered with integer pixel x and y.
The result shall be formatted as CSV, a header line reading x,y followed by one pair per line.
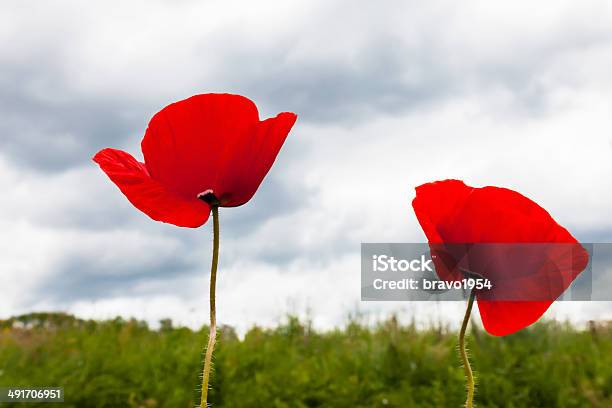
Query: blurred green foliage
x,y
119,363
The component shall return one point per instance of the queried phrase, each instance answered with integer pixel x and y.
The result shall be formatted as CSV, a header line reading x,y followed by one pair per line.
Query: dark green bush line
x,y
120,363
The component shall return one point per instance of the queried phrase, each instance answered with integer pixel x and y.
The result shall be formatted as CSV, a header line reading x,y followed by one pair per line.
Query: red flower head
x,y
207,149
451,212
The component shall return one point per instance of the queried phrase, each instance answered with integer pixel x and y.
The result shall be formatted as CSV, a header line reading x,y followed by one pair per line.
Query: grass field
x,y
118,363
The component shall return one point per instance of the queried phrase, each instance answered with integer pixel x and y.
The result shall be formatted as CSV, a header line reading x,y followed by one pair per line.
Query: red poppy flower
x,y
210,146
450,212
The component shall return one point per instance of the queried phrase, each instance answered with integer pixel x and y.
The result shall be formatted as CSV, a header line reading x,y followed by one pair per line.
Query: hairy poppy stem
x,y
212,335
469,375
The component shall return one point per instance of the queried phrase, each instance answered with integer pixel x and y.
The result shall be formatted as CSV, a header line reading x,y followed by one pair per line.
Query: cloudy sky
x,y
389,94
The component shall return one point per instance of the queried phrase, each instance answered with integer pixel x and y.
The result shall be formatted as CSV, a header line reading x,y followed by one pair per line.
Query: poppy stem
x,y
469,375
212,335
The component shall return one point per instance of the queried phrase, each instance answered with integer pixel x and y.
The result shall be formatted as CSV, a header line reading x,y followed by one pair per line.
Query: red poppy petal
x,y
452,212
148,195
435,206
501,318
436,203
187,144
493,214
238,182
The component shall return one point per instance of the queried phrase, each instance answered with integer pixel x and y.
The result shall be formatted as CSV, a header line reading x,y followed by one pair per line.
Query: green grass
x,y
120,363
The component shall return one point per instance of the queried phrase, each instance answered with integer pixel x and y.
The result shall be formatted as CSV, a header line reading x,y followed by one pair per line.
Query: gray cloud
x,y
331,92
55,132
49,125
84,278
593,235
